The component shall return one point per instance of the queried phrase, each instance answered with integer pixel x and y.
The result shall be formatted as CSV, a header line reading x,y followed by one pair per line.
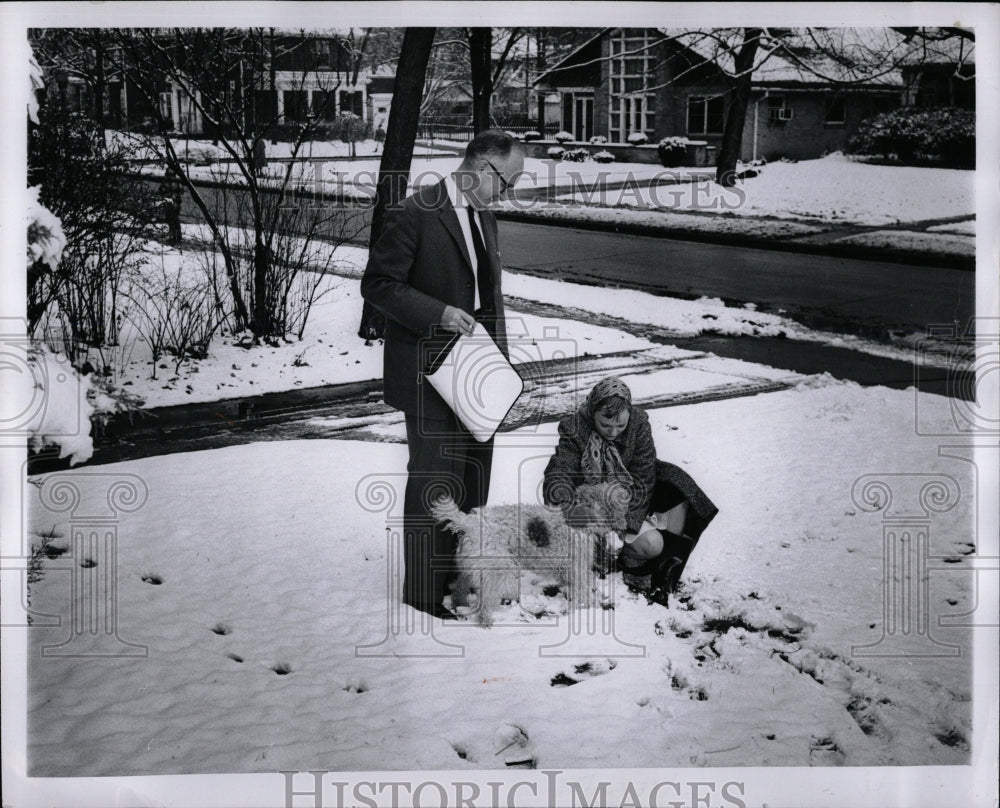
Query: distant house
x,y
309,75
379,97
944,75
672,83
450,105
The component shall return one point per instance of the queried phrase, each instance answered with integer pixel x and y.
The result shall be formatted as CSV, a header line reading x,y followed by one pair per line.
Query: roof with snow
x,y
860,56
863,57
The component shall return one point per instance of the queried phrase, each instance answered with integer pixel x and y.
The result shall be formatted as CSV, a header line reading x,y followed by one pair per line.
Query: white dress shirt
x,y
459,202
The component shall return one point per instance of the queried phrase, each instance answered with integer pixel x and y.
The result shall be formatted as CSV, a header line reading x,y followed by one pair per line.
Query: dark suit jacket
x,y
419,265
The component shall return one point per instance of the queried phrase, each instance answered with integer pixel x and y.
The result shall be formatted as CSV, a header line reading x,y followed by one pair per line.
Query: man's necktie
x,y
483,275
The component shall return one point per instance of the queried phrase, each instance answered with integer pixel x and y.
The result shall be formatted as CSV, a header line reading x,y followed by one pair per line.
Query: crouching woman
x,y
608,440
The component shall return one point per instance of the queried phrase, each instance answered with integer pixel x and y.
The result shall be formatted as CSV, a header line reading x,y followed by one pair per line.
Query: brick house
x,y
672,83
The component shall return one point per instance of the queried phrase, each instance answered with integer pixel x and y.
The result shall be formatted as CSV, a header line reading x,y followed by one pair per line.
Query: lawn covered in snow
x,y
145,147
330,351
254,591
832,189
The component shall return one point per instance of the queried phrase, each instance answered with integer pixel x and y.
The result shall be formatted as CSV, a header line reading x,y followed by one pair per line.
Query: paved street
x,y
849,295
866,298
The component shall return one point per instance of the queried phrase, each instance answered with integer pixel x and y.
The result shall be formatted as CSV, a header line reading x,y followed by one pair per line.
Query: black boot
x,y
676,551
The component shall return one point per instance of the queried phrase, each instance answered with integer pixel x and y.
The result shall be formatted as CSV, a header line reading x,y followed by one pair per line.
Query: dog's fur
x,y
497,542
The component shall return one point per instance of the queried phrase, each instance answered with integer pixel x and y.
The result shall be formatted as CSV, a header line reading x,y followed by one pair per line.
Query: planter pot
x,y
672,158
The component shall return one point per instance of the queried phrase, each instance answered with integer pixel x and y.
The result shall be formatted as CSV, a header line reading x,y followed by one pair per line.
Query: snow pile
x,y
831,189
46,239
915,241
35,82
63,415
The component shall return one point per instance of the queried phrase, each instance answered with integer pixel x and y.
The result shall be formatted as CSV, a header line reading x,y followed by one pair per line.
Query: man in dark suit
x,y
434,272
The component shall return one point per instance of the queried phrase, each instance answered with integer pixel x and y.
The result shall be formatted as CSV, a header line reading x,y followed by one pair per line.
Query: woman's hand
x,y
577,516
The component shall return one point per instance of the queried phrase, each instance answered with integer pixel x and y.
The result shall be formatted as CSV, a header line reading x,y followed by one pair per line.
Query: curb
x,y
858,251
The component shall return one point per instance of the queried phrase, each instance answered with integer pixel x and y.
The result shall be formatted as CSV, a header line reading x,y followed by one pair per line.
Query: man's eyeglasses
x,y
504,182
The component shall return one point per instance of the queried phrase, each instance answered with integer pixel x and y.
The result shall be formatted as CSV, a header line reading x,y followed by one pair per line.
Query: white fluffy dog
x,y
496,543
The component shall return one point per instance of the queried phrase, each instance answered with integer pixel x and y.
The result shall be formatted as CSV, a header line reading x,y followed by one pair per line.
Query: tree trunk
x,y
397,153
100,82
732,133
480,50
540,65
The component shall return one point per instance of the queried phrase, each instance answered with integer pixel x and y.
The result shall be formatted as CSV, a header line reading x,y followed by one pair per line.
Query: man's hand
x,y
458,321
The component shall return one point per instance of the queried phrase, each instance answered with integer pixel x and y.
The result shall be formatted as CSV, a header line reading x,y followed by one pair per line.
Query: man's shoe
x,y
435,610
444,613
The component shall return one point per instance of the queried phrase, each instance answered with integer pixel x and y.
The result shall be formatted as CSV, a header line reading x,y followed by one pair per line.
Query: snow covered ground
x,y
787,200
331,353
260,586
263,601
206,149
832,189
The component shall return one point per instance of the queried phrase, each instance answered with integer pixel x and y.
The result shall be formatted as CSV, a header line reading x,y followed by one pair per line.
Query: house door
x,y
583,117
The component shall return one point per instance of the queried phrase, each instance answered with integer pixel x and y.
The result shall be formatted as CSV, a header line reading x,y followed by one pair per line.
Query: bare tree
x,y
488,68
732,133
223,75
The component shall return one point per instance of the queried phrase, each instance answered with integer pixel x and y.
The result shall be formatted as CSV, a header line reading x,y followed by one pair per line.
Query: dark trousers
x,y
444,459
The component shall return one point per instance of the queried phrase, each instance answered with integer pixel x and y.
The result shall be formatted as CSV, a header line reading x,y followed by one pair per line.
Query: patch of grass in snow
x,y
953,738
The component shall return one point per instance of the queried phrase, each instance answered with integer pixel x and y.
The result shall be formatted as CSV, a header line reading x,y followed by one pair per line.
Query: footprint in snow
x,y
512,743
681,684
585,670
221,629
152,578
825,752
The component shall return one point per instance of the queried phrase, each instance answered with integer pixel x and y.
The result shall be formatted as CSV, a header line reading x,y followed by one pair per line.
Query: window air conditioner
x,y
785,114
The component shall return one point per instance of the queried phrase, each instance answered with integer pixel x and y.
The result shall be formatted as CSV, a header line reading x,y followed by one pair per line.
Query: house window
x,y
835,110
706,115
167,106
321,51
296,105
777,112
324,105
351,102
265,106
632,77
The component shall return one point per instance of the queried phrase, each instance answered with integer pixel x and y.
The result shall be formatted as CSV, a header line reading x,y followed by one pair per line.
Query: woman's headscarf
x,y
610,387
601,461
